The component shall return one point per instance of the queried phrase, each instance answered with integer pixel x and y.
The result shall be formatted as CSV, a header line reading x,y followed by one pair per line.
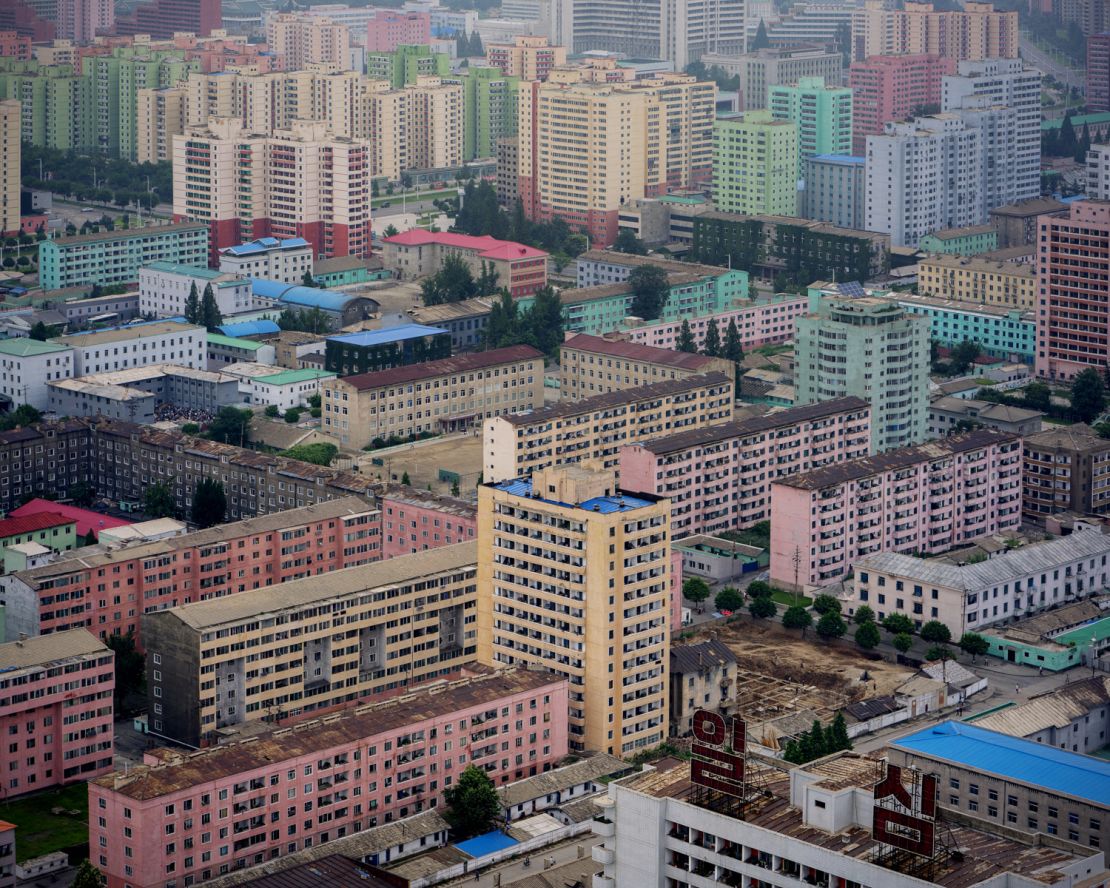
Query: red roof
x,y
21,524
443,367
486,246
85,519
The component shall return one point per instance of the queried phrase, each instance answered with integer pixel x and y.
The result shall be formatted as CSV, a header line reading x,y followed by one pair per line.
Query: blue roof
x,y
390,334
296,294
606,505
485,844
1068,773
265,243
839,158
249,328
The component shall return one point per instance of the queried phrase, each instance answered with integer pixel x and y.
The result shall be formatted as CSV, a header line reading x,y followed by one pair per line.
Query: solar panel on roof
x,y
851,288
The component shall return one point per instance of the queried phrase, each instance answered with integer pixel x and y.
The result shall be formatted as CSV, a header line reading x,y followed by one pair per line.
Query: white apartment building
x,y
1098,172
164,289
159,342
27,366
269,258
922,176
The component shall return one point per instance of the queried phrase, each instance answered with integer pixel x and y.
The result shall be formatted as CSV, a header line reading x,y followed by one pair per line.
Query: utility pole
x,y
797,559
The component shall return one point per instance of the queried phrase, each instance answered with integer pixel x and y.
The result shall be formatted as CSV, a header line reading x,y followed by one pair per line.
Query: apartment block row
x,y
719,477
414,520
595,428
926,499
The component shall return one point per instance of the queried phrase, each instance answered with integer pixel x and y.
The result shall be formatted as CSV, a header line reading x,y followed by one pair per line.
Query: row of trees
x,y
203,310
209,502
1087,397
818,741
100,179
305,320
1066,142
540,326
454,282
714,346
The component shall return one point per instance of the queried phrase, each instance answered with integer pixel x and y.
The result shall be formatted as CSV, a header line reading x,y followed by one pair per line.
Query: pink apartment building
x,y
107,592
15,45
55,711
758,323
191,817
923,499
719,478
890,87
414,520
389,29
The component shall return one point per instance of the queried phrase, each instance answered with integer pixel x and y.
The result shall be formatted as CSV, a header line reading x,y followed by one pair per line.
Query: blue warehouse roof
x,y
621,502
304,297
390,334
1068,773
265,243
249,328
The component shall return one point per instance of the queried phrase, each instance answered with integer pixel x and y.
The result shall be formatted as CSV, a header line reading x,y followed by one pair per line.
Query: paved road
x,y
1038,58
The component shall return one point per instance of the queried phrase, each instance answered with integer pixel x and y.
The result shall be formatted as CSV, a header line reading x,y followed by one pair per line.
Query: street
x,y
1041,60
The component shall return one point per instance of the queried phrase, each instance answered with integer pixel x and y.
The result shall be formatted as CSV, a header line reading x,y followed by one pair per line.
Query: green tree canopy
x,y
696,590
762,608
712,344
974,644
88,876
729,599
129,667
650,291
732,349
232,425
936,631
867,636
319,454
158,501
759,589
473,802
863,614
685,341
902,642
453,282
209,503
797,617
1088,395
627,242
830,626
23,415
192,305
826,604
309,320
897,624
210,316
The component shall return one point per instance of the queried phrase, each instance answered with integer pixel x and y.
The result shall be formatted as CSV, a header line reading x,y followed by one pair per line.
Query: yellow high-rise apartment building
x,y
10,158
575,575
304,39
160,117
977,31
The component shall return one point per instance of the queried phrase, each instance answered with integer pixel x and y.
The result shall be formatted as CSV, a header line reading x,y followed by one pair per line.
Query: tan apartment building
x,y
310,644
1067,469
576,576
448,395
11,115
593,365
1011,285
527,57
305,39
976,31
417,127
160,117
595,428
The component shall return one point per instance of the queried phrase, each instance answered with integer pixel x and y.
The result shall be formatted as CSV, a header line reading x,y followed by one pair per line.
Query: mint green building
x,y
57,102
1057,649
489,110
755,164
409,61
970,241
54,531
999,332
823,115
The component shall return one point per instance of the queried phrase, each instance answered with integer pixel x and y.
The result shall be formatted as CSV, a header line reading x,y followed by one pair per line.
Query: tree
x,y
902,642
729,599
732,349
82,494
232,425
938,652
763,608
293,415
1037,396
650,291
836,735
308,321
210,316
761,40
192,305
158,501
627,242
405,479
40,332
88,876
1088,395
272,411
486,283
797,617
936,631
867,636
974,644
390,230
696,590
209,503
308,280
473,802
318,454
962,356
23,415
90,538
685,341
476,48
503,324
826,604
896,624
712,344
129,666
830,626
863,614
453,282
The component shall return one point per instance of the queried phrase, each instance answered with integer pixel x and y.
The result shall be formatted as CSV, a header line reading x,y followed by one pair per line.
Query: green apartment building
x,y
823,115
755,164
57,103
409,61
970,241
1006,333
489,111
53,530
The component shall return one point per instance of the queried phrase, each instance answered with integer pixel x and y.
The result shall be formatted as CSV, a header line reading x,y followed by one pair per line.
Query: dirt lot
x,y
423,460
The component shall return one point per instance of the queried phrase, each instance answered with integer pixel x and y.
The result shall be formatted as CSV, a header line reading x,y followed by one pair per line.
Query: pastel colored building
x,y
977,280
269,258
108,592
15,45
164,289
719,477
55,711
389,28
139,345
196,815
596,268
821,112
85,521
417,253
53,530
1006,333
7,848
835,190
755,164
892,87
971,240
489,112
925,499
414,520
1062,638
115,257
406,64
527,57
759,322
595,428
1098,71
28,366
1067,469
974,31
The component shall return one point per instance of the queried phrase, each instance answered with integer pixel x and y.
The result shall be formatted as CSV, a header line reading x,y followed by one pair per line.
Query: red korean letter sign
x,y
718,753
908,829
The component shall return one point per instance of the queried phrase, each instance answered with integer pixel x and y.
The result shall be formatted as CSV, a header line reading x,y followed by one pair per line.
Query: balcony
x,y
603,855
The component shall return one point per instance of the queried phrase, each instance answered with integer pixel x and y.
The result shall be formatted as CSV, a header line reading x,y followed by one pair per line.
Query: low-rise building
x,y
134,395
81,313
1067,469
290,346
927,498
465,320
140,345
335,775
968,241
448,395
1007,333
703,676
560,786
55,711
220,351
1058,639
7,830
115,257
759,321
270,258
595,428
414,520
28,366
719,478
199,684
1075,717
53,530
974,279
1016,223
1020,785
287,388
354,353
970,597
948,415
592,365
326,309
417,253
717,559
164,289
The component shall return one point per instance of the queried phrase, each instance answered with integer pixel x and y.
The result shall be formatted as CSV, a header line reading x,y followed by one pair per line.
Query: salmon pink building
x,y
190,817
417,253
892,87
55,711
719,478
108,592
924,499
390,28
758,323
414,520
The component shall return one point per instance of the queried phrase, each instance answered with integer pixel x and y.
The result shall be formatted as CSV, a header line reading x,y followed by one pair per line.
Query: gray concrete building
x,y
946,413
703,676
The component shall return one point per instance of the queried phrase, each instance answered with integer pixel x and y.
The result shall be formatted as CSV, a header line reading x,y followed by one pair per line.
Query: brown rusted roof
x,y
443,367
634,351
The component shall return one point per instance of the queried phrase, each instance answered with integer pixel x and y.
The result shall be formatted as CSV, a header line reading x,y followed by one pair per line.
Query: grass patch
x,y
41,832
758,535
787,598
772,349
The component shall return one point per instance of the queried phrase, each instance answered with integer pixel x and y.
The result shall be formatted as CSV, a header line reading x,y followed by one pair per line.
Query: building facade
x,y
370,351
821,112
415,520
975,31
703,676
1006,333
763,68
759,322
28,366
157,342
1098,72
164,289
286,260
11,114
835,190
755,164
527,57
1067,469
1007,285
925,499
417,253
303,40
892,87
